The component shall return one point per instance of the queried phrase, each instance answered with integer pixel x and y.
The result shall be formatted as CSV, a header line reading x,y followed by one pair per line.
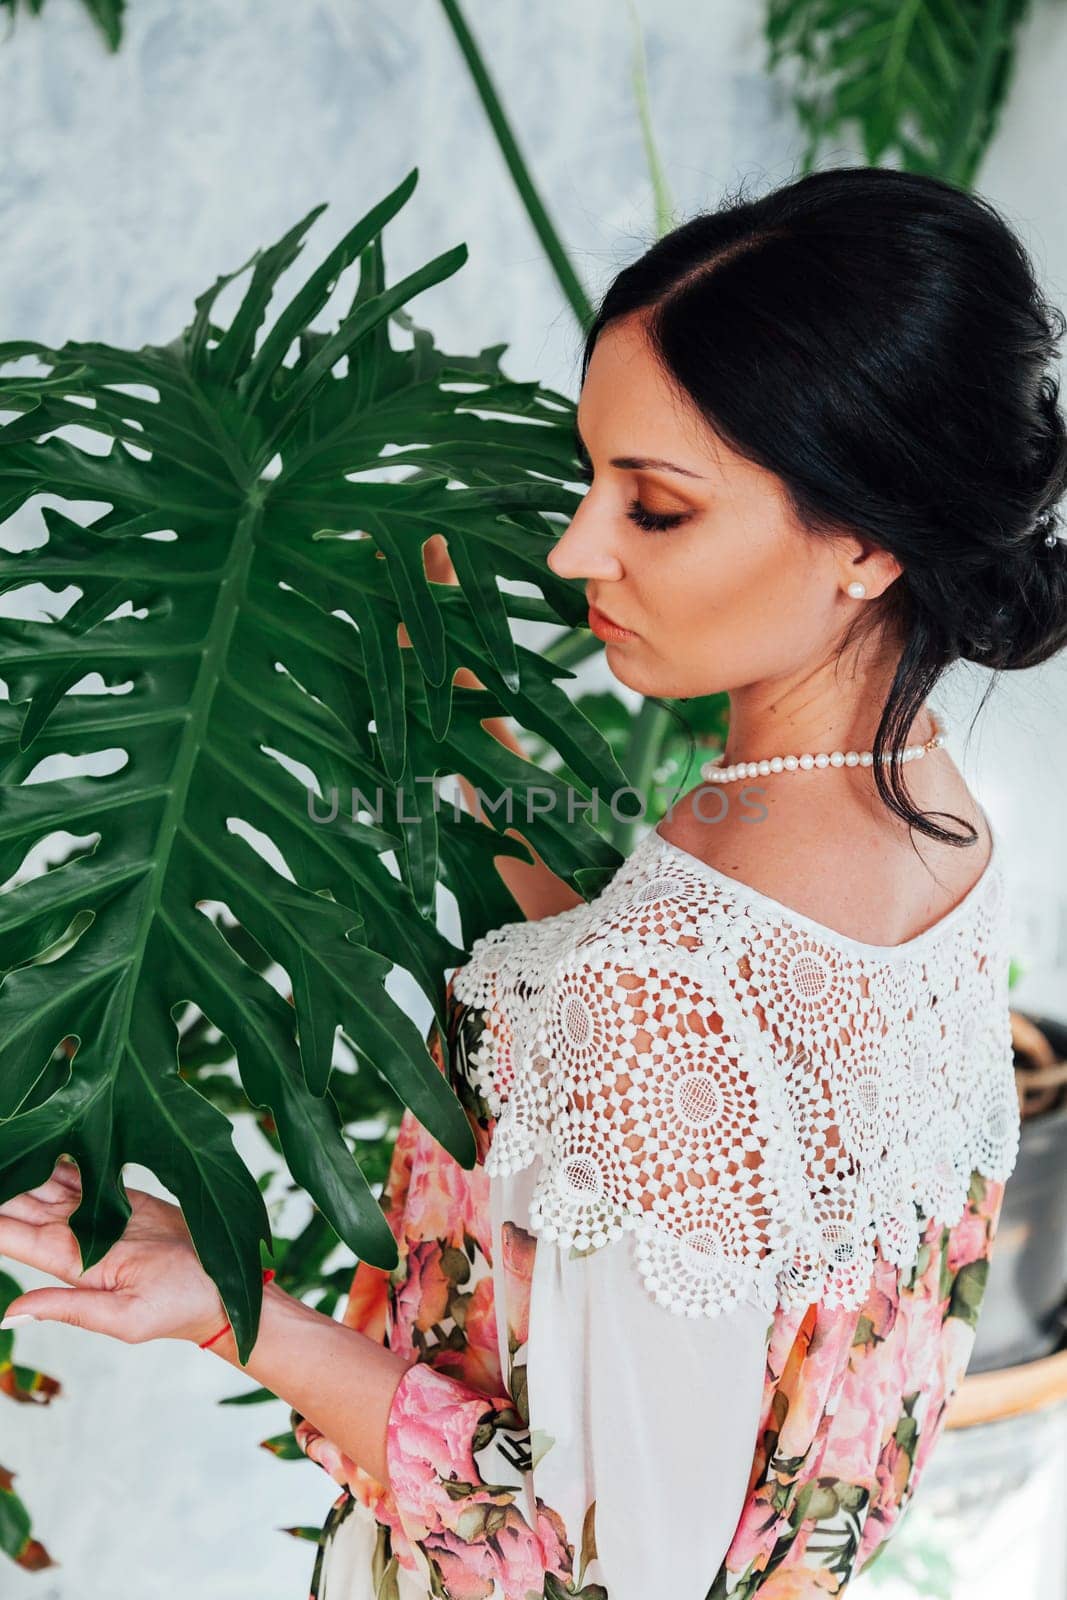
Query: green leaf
x,y
259,498
16,1538
921,84
284,1446
14,1521
106,14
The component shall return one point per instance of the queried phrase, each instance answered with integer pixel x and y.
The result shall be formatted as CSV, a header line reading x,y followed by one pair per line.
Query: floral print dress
x,y
561,1432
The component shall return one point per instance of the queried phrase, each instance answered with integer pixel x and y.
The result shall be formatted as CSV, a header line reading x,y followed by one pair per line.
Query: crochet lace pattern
x,y
762,1101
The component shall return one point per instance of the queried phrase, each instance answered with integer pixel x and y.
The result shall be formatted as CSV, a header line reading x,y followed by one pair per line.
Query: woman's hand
x,y
149,1285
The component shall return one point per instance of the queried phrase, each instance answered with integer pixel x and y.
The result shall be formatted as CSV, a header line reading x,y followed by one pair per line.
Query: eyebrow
x,y
635,463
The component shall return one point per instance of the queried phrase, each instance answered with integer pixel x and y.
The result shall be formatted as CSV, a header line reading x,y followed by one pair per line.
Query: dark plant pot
x,y
1022,1313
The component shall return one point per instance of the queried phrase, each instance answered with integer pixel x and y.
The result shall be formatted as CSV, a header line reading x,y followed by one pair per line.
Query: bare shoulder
x,y
839,857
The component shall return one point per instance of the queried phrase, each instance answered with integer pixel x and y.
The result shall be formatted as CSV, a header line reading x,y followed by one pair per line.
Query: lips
x,y
599,611
604,628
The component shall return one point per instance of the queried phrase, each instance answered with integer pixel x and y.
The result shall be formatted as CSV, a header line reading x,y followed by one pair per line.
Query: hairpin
x,y
1044,524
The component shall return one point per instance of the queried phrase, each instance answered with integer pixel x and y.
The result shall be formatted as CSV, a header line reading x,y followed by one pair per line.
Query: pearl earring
x,y
857,590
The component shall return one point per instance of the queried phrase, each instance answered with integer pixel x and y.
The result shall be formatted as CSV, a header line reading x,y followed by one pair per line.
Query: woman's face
x,y
725,590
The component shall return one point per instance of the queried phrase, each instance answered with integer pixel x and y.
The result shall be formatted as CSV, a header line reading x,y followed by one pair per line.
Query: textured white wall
x,y
127,184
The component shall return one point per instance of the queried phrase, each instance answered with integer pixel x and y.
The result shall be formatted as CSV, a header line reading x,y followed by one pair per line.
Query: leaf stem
x,y
520,172
639,763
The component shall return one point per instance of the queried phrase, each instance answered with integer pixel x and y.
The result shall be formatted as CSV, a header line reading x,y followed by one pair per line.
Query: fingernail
x,y
20,1316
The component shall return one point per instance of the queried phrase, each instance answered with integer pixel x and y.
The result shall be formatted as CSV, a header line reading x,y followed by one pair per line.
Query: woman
x,y
691,1324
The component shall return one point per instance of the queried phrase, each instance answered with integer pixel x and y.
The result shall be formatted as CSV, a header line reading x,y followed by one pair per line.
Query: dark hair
x,y
878,340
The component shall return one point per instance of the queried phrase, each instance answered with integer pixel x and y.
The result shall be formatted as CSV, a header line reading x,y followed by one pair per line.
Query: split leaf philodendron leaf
x,y
223,716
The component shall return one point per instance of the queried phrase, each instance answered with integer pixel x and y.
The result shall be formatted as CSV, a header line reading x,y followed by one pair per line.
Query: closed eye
x,y
650,521
654,521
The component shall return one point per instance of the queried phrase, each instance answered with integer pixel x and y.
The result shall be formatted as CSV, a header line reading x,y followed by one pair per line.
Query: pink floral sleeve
x,y
460,1506
459,1470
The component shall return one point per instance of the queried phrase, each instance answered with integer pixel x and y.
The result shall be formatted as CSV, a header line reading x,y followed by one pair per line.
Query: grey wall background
x,y
127,184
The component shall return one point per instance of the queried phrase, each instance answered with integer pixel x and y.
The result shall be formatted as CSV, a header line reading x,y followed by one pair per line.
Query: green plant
x,y
107,14
231,600
922,84
28,1386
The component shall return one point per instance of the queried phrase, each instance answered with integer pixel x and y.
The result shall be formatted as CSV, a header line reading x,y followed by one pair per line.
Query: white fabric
x,y
654,1418
756,1098
353,1567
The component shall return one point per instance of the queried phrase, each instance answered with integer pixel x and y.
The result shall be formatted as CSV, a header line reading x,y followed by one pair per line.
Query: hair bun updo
x,y
1028,617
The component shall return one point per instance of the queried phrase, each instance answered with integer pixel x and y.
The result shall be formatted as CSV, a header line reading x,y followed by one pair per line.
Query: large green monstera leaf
x,y
235,723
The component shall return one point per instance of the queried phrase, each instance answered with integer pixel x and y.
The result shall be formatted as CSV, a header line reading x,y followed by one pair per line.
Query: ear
x,y
868,562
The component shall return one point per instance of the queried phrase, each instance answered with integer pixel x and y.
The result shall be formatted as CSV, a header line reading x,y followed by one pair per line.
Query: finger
x,y
96,1310
64,1181
437,561
50,1189
29,1207
50,1246
58,1193
65,1178
51,1201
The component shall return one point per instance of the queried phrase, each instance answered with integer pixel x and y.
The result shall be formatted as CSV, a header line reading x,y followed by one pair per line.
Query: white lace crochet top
x,y
761,1101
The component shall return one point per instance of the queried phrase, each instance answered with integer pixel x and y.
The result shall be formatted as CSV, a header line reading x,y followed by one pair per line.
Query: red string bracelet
x,y
268,1274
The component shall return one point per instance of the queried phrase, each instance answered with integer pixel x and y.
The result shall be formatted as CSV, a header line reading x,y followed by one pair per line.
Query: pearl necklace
x,y
714,772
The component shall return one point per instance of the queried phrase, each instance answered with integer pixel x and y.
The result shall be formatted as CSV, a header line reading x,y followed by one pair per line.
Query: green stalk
x,y
639,763
658,178
572,647
509,148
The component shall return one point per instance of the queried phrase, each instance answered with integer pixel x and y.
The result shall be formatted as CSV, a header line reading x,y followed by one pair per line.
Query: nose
x,y
585,550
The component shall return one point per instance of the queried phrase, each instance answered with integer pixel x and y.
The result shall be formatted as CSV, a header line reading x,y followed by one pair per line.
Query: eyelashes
x,y
649,521
653,521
